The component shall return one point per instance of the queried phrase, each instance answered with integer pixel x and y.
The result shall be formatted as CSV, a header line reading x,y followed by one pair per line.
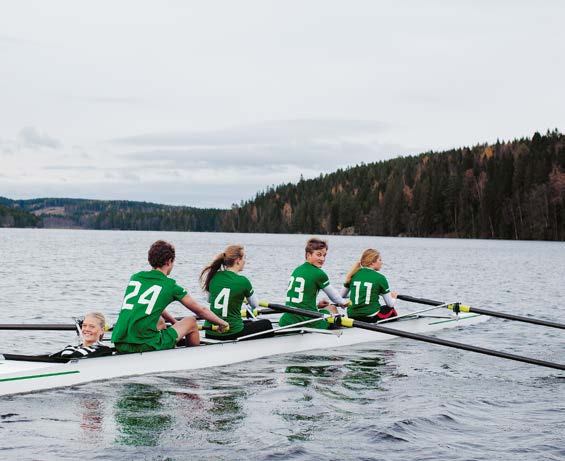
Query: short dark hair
x,y
159,253
314,244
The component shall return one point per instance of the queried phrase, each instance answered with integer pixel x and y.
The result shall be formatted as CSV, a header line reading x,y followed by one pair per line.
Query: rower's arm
x,y
389,299
335,296
168,317
201,311
253,301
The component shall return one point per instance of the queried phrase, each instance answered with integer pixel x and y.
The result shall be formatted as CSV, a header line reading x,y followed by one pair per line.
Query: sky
x,y
206,103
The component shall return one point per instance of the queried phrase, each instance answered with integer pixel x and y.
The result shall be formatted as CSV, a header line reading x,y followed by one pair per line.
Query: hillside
x,y
102,214
508,190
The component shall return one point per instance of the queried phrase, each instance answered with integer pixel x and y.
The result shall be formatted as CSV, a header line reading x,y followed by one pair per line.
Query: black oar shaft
x,y
490,313
412,299
427,339
38,326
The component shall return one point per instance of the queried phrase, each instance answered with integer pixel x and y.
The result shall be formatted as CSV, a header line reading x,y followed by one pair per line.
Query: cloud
x,y
310,144
10,40
30,137
117,101
260,133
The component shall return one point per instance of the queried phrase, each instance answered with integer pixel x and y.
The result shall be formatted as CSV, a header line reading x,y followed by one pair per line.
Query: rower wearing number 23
x,y
139,327
304,285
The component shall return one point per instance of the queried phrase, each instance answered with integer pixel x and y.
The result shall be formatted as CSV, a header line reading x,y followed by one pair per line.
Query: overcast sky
x,y
204,103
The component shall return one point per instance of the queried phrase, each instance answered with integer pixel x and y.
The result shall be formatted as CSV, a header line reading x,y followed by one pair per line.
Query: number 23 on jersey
x,y
296,285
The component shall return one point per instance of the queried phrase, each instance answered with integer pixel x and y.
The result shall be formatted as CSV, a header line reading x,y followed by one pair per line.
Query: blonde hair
x,y
368,257
100,319
226,259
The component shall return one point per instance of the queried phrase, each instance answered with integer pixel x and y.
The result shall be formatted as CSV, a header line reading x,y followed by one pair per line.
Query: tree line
x,y
507,190
109,214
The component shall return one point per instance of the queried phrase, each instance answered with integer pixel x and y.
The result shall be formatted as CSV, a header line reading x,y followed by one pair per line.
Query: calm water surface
x,y
394,401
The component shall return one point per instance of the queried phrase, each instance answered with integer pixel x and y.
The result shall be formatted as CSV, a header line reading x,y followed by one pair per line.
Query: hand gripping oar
x,y
462,308
348,322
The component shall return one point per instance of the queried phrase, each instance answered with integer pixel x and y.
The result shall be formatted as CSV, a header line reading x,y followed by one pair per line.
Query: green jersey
x,y
303,287
147,295
227,291
366,286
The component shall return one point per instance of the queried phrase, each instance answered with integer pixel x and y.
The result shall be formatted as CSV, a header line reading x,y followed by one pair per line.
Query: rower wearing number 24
x,y
138,328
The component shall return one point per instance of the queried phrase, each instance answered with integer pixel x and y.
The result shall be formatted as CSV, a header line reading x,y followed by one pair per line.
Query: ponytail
x,y
209,271
352,272
368,257
226,259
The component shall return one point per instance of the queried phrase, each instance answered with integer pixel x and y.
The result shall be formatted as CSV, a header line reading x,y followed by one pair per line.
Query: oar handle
x,y
212,328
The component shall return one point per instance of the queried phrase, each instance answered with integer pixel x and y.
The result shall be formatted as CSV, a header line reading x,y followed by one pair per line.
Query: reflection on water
x,y
223,415
362,373
366,372
92,422
334,389
141,415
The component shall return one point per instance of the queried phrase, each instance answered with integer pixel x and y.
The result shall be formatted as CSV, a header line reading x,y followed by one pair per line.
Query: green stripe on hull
x,y
47,375
455,320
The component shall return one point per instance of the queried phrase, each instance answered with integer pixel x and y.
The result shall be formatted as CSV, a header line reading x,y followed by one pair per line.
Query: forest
x,y
108,214
507,190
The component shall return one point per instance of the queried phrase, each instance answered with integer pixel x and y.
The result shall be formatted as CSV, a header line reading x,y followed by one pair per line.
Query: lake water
x,y
396,400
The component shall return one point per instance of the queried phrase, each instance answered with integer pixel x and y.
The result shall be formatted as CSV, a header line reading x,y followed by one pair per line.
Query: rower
x,y
147,295
367,284
227,289
305,283
91,331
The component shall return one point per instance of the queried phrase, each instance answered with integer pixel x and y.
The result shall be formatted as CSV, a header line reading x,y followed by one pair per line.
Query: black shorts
x,y
249,327
385,312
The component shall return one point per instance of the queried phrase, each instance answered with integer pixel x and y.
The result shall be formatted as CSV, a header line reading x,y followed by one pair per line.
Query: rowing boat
x,y
25,375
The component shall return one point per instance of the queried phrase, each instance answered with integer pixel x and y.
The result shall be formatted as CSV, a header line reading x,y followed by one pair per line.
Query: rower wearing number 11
x,y
367,284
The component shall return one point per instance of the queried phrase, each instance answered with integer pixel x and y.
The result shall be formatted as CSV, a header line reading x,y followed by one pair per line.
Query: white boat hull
x,y
21,376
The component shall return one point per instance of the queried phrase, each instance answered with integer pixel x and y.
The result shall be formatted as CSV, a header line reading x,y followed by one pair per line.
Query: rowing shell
x,y
20,376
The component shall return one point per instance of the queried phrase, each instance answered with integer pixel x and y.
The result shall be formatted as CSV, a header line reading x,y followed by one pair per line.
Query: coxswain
x,y
92,330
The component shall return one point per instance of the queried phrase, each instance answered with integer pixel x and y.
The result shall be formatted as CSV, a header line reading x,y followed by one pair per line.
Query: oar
x,y
348,322
211,328
256,312
463,308
38,326
60,327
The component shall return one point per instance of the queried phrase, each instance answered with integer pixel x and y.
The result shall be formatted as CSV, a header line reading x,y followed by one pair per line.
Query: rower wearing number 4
x,y
227,289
